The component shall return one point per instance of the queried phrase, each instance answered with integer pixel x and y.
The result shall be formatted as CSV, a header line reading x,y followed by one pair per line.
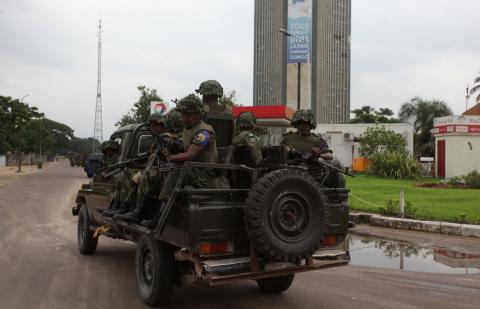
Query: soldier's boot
x,y
152,222
133,215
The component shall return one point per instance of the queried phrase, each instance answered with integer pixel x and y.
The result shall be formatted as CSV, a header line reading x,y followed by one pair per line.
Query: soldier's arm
x,y
321,149
199,142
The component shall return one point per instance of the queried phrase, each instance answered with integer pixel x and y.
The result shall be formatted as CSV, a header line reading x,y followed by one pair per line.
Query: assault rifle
x,y
314,160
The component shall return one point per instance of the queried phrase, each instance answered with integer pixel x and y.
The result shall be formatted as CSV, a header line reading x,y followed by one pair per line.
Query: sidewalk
x,y
448,228
9,173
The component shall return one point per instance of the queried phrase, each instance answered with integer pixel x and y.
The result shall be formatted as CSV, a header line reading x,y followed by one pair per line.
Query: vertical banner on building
x,y
159,107
299,47
300,26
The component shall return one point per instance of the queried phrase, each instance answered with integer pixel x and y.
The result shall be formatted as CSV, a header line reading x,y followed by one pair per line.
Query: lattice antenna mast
x,y
98,130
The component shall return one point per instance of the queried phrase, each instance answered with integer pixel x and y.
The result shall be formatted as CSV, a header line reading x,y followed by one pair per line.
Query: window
x,y
144,143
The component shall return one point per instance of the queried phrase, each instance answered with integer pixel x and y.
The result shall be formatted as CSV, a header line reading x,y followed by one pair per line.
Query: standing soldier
x,y
110,150
211,92
303,139
246,122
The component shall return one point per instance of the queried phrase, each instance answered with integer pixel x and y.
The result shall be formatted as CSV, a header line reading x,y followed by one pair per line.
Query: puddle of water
x,y
394,255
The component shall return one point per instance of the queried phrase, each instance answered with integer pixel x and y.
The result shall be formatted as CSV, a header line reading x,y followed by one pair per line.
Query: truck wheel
x,y
285,215
275,284
155,271
87,244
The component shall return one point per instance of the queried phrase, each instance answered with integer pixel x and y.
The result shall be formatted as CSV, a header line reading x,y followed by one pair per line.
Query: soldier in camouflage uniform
x,y
110,150
245,123
150,182
211,92
303,140
200,146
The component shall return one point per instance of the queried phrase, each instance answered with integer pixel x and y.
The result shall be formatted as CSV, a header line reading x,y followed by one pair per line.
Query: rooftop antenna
x,y
98,129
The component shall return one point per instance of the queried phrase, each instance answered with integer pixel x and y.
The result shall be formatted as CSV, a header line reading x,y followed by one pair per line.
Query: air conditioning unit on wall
x,y
348,136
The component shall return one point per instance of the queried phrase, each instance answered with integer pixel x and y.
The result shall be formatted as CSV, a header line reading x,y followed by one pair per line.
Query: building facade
x,y
309,69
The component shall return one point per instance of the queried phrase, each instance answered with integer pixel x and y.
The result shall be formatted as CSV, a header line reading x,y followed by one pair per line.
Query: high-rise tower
x,y
307,63
98,129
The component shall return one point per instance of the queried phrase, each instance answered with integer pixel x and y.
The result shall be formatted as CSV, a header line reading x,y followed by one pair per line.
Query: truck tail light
x,y
216,247
329,241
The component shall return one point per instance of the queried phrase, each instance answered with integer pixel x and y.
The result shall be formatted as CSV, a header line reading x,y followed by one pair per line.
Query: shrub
x,y
376,139
472,179
392,208
393,164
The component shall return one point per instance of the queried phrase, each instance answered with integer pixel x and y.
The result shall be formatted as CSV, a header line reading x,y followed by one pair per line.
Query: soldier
x,y
110,150
246,122
303,139
148,183
211,92
199,143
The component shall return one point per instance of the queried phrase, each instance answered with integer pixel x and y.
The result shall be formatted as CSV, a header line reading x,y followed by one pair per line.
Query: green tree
x,y
15,117
422,112
376,139
368,114
141,109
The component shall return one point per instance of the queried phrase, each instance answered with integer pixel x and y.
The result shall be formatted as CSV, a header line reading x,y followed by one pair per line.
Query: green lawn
x,y
369,194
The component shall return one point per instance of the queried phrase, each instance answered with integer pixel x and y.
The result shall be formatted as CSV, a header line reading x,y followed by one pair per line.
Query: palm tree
x,y
476,88
422,112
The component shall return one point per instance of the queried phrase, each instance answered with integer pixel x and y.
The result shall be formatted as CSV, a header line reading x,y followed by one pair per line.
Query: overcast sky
x,y
48,50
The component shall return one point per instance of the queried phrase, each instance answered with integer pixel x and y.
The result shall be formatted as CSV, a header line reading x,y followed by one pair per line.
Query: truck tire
x,y
285,215
155,271
276,285
87,244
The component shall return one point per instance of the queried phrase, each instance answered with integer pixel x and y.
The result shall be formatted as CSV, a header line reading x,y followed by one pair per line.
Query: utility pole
x,y
98,129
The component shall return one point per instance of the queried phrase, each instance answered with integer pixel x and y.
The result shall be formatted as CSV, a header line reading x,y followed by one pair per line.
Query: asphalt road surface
x,y
40,266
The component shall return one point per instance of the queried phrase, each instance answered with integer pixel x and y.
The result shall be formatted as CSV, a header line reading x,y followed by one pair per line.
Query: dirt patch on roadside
x,y
9,173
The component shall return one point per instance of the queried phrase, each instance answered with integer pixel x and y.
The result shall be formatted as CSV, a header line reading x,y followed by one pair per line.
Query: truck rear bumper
x,y
226,270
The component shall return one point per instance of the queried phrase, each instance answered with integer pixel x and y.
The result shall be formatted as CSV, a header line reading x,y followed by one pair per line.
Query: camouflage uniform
x,y
246,123
200,134
304,143
213,89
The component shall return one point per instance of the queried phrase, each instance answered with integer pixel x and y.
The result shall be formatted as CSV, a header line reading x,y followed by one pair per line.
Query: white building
x,y
341,138
457,145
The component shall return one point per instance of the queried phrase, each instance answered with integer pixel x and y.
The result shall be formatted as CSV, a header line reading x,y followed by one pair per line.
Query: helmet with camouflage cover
x,y
210,87
246,121
304,115
157,117
174,122
190,103
110,144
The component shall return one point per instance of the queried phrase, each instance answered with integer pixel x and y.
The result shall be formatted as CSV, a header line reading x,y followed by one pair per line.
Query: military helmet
x,y
190,103
174,122
157,117
210,87
110,144
246,120
303,115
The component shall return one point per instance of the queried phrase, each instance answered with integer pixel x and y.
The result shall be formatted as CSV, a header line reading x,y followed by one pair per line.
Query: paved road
x,y
41,268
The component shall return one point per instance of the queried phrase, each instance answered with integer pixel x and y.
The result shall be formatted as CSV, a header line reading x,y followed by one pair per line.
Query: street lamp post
x,y
20,128
299,67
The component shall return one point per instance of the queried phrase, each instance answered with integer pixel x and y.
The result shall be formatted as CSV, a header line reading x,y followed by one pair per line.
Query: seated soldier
x,y
149,183
200,146
245,123
303,140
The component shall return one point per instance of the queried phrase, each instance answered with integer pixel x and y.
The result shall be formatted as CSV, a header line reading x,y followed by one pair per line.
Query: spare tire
x,y
285,215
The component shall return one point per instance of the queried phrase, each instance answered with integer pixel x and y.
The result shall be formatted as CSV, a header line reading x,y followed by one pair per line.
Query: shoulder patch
x,y
202,138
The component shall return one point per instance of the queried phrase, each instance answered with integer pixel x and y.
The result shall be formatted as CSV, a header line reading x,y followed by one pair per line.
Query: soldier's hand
x,y
165,153
136,177
316,151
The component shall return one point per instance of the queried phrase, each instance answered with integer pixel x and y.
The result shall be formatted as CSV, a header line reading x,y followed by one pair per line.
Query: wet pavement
x,y
382,253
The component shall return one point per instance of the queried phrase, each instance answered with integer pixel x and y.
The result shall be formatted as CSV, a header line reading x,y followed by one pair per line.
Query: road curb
x,y
448,228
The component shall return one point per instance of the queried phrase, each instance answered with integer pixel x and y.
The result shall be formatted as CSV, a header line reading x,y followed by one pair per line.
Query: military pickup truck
x,y
277,219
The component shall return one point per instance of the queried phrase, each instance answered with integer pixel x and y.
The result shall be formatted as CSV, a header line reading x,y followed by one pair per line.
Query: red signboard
x,y
273,111
468,128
